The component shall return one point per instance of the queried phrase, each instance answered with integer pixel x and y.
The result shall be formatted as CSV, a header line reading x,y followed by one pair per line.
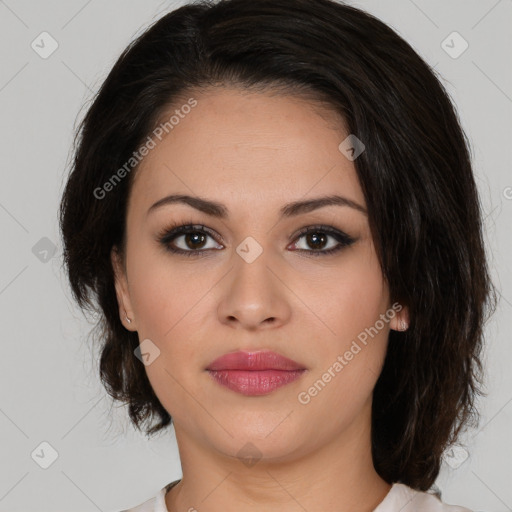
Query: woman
x,y
273,208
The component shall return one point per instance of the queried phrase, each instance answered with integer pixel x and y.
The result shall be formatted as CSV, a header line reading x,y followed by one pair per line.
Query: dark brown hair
x,y
415,173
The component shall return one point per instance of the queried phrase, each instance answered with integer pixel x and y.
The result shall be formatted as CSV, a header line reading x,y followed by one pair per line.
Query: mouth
x,y
254,373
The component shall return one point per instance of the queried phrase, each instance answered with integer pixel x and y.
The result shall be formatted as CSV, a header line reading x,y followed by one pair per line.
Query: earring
x,y
127,319
403,325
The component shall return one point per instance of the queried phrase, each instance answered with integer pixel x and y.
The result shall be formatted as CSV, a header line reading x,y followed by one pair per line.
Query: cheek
x,y
365,296
163,293
347,297
352,339
169,302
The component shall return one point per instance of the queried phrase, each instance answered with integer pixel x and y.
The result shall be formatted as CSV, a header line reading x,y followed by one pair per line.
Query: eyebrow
x,y
215,209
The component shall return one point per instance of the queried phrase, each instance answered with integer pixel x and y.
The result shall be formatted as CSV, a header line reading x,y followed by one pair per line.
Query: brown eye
x,y
317,240
194,240
320,237
187,239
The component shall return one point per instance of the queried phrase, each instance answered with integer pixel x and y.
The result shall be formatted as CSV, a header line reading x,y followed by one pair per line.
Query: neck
x,y
338,476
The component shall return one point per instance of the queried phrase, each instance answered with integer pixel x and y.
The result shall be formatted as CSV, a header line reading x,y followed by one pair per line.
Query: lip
x,y
261,360
254,373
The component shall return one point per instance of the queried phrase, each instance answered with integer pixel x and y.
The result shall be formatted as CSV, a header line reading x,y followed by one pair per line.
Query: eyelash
x,y
175,229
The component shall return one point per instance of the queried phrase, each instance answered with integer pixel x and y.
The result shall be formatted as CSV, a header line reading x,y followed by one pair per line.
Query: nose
x,y
254,295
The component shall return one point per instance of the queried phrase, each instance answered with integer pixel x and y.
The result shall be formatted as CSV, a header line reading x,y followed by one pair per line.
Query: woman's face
x,y
252,282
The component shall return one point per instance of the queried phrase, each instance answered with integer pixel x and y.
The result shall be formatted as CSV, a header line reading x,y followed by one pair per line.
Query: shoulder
x,y
405,499
154,504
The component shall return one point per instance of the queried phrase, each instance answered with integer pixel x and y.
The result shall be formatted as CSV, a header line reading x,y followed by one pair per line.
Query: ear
x,y
401,321
122,293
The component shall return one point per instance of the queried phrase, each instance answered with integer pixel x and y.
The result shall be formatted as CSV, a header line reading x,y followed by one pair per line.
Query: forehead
x,y
236,145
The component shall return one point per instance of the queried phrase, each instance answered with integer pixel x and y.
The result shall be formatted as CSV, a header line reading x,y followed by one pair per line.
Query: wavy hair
x,y
416,176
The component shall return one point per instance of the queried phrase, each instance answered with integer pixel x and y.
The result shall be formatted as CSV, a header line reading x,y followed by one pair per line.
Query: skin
x,y
254,152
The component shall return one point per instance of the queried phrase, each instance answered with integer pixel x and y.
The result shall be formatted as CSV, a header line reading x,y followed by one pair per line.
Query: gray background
x,y
49,389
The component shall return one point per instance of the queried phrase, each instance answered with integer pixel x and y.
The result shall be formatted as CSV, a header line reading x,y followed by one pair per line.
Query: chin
x,y
268,441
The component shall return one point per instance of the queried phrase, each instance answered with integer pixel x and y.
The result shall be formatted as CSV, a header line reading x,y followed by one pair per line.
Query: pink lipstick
x,y
254,373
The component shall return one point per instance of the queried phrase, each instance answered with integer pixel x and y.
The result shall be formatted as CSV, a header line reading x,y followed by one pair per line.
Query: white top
x,y
400,498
